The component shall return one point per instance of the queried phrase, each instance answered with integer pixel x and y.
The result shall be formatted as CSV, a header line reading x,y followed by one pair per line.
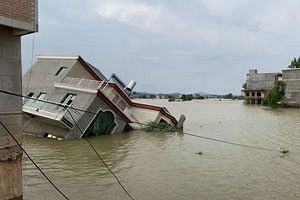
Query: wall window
x,y
253,94
60,70
68,99
42,96
26,100
30,94
38,104
122,105
103,123
258,94
116,99
247,94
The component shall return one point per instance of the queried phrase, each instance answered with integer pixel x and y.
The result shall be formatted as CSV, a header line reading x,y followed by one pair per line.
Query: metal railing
x,y
51,111
80,83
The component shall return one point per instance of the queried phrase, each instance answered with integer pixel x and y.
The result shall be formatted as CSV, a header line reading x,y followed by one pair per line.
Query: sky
x,y
171,45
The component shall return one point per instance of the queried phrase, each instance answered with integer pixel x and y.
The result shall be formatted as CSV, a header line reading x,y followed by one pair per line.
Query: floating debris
x,y
285,151
159,127
200,153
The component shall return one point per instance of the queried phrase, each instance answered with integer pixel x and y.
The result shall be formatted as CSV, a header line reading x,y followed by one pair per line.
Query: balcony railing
x,y
51,111
79,84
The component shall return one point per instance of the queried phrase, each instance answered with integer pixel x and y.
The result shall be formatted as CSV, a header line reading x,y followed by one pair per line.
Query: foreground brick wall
x,y
22,10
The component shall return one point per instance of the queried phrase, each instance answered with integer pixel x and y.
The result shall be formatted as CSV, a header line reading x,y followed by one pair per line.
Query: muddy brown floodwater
x,y
168,166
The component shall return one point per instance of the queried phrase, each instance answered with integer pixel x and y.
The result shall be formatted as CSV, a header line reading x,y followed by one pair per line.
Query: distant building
x,y
258,85
291,77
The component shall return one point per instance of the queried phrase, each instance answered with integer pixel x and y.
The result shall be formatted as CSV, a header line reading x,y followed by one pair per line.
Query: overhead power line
x,y
185,133
34,163
100,158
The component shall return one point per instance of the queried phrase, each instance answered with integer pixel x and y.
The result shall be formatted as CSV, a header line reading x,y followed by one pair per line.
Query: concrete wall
x,y
19,14
10,114
260,81
39,127
291,77
41,77
78,71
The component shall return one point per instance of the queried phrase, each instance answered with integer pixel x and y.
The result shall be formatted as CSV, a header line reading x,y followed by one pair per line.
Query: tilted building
x,y
70,98
258,85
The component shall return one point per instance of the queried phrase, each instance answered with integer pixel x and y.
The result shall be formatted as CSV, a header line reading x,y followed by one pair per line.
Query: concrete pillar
x,y
10,115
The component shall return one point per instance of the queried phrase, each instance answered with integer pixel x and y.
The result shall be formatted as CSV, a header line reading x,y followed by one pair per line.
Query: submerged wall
x,y
291,77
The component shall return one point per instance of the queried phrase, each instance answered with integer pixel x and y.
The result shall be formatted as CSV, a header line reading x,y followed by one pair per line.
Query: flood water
x,y
167,166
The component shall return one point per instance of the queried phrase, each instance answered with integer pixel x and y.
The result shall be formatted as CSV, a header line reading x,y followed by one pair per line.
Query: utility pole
x,y
17,18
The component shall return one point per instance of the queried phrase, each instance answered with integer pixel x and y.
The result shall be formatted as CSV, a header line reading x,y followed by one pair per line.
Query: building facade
x,y
258,85
17,18
291,77
89,103
70,82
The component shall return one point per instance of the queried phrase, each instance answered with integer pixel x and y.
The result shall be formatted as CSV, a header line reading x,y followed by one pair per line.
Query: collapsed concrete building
x,y
70,98
258,85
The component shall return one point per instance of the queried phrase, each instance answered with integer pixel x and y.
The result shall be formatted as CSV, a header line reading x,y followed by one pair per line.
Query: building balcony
x,y
79,84
56,114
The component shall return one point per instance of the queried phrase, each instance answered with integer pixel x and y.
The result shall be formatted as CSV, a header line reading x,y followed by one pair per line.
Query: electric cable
x,y
41,171
185,133
100,158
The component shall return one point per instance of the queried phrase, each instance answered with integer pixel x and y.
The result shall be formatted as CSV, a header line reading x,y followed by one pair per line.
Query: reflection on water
x,y
167,166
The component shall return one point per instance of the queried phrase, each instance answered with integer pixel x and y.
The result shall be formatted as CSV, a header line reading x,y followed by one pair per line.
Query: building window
x,y
258,94
36,103
60,70
68,99
30,94
26,100
116,99
122,105
42,96
247,94
103,123
253,94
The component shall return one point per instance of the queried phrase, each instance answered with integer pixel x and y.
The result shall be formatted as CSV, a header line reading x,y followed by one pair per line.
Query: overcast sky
x,y
172,45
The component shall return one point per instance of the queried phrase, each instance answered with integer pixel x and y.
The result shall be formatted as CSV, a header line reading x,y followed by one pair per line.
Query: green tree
x,y
295,63
275,95
228,96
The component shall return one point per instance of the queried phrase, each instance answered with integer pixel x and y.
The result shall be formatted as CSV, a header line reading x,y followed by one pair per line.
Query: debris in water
x,y
285,151
159,127
200,153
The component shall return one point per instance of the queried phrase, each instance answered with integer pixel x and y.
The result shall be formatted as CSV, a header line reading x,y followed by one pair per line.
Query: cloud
x,y
224,8
191,38
137,14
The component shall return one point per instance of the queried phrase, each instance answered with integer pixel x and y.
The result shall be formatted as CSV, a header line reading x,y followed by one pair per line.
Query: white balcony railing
x,y
80,84
51,111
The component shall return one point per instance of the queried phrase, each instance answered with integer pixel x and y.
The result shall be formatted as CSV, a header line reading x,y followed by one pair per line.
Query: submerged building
x,y
258,85
70,98
291,77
